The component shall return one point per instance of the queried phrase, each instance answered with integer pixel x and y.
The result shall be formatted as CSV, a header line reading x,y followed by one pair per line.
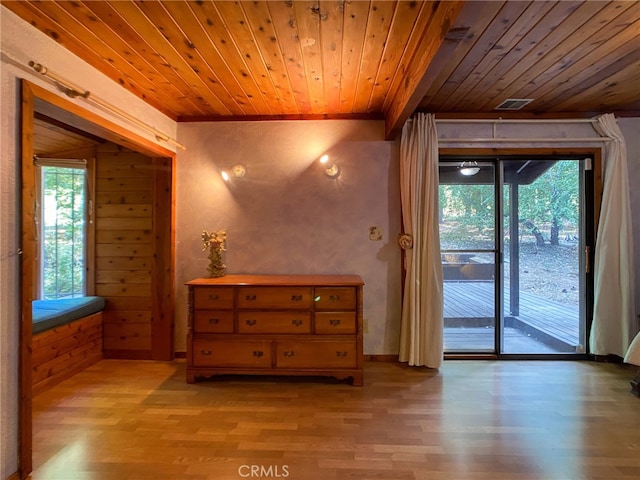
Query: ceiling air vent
x,y
514,103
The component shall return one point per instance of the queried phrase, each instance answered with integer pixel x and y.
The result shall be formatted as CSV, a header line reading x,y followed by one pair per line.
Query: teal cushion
x,y
49,314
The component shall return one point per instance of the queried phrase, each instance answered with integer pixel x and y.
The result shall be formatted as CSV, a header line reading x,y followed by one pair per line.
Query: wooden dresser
x,y
275,325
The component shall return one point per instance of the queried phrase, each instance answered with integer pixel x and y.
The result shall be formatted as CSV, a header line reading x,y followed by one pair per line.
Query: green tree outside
x,y
63,247
549,205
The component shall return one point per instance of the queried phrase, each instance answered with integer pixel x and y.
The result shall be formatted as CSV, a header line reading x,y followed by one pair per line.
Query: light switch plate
x,y
375,233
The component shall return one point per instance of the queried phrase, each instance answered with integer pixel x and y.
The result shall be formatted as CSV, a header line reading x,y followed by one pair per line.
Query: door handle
x,y
587,259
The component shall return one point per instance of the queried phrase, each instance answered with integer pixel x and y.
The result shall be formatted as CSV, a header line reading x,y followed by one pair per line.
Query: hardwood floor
x,y
472,420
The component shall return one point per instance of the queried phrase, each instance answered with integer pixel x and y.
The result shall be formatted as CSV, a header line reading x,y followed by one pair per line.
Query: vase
x,y
216,265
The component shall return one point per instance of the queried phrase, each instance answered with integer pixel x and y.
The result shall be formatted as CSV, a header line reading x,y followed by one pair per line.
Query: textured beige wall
x,y
286,217
631,130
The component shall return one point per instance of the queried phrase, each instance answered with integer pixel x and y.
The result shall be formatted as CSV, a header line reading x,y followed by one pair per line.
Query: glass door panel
x,y
543,242
468,246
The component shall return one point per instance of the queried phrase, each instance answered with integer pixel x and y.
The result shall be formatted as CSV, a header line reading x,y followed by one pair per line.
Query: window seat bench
x,y
67,338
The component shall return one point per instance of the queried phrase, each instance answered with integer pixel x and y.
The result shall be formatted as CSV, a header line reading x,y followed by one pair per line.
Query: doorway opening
x,y
516,235
47,120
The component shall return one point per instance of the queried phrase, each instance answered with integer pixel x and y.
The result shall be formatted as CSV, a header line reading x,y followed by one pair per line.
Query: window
x,y
63,232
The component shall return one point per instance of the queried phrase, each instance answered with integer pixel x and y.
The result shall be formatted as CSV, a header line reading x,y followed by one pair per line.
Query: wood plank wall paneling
x,y
62,352
124,248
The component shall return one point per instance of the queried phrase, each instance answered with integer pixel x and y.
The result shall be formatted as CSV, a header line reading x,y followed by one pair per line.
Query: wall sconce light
x,y
330,169
237,171
469,168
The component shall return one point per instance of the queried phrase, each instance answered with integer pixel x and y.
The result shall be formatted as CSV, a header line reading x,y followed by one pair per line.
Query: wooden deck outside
x,y
482,340
474,301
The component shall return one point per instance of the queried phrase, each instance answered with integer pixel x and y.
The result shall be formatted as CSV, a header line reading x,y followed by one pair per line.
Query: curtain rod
x,y
517,120
74,91
37,158
524,140
497,121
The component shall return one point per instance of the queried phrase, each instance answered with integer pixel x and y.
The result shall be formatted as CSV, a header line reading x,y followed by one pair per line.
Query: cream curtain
x,y
614,325
422,306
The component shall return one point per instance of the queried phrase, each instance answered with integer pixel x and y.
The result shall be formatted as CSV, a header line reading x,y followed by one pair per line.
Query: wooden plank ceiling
x,y
55,139
211,60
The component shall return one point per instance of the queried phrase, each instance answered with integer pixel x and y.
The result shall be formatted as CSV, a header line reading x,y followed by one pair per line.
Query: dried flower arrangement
x,y
215,243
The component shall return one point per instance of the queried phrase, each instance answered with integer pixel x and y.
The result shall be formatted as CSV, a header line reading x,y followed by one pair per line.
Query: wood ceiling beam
x,y
408,93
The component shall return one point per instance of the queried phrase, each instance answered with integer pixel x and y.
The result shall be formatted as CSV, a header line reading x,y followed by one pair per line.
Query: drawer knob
x,y
251,322
214,321
250,298
288,353
258,353
296,298
214,297
296,322
206,352
334,322
341,354
334,298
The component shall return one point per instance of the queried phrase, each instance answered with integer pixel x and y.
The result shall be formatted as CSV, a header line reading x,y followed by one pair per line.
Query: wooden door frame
x,y
35,98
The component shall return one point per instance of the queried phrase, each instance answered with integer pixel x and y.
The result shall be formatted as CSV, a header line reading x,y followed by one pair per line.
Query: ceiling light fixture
x,y
469,169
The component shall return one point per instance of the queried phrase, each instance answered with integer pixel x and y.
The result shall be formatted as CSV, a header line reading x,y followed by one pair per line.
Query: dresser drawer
x,y
274,297
316,354
274,322
335,298
328,323
232,353
213,321
213,298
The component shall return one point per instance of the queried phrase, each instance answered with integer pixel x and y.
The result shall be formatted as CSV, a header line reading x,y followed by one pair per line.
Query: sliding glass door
x,y
514,255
